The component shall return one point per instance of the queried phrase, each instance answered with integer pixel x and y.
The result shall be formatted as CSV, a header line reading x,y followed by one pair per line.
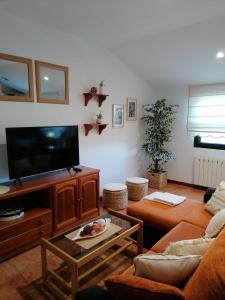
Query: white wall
x,y
115,152
182,168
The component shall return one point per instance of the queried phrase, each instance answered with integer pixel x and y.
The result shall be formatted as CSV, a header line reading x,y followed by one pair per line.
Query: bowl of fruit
x,y
93,229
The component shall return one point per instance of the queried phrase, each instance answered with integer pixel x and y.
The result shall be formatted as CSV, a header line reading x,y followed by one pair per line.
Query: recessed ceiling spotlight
x,y
46,78
220,54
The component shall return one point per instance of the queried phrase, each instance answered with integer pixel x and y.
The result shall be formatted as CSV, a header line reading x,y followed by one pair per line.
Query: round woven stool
x,y
137,188
115,196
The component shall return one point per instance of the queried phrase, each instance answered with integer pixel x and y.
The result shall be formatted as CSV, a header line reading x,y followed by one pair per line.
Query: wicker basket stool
x,y
115,196
137,188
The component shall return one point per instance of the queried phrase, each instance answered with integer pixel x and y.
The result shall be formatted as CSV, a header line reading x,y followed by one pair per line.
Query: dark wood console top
x,y
44,181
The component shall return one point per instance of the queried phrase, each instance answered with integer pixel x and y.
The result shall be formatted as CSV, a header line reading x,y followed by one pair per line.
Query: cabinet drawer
x,y
32,219
22,242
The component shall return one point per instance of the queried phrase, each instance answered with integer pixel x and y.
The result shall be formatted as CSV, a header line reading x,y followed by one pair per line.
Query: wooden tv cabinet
x,y
53,202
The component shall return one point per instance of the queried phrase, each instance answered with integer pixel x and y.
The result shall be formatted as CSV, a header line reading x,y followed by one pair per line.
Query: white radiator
x,y
208,171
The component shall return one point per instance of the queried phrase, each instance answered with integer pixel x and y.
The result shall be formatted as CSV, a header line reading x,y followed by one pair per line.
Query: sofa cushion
x,y
133,288
217,201
186,247
198,215
183,231
162,216
170,269
208,281
216,224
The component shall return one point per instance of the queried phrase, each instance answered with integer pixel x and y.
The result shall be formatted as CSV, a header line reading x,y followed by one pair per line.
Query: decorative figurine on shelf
x,y
93,90
99,118
101,87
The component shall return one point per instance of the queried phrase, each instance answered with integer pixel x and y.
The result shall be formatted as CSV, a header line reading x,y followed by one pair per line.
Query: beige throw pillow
x,y
215,225
217,201
186,247
168,269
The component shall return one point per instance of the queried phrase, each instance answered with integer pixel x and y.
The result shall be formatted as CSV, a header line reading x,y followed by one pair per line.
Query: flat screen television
x,y
35,150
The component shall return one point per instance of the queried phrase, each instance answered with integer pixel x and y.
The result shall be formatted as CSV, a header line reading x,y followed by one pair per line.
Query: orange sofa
x,y
206,283
188,220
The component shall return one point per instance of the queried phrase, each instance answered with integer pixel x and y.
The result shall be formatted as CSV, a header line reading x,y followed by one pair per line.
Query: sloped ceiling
x,y
167,42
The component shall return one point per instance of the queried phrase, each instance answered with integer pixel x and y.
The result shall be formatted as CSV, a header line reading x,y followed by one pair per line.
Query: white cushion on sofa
x,y
186,247
217,201
216,224
168,269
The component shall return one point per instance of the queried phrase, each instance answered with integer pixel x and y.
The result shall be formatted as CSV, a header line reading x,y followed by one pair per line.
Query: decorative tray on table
x,y
92,229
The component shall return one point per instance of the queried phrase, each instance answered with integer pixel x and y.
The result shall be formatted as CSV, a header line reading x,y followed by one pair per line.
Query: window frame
x,y
199,144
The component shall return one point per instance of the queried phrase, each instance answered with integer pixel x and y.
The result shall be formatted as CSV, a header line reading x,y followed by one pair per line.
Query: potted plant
x,y
159,119
99,117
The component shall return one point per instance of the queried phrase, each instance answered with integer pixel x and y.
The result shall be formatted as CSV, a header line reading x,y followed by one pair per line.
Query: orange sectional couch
x,y
206,283
187,220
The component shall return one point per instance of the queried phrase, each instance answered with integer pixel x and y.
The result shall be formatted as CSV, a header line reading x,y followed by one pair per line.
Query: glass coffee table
x,y
75,254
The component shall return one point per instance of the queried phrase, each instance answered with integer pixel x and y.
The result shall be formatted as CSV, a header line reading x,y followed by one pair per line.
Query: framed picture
x,y
52,83
118,115
131,109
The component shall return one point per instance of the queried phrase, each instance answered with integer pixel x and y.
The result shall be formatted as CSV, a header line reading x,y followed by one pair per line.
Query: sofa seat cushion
x,y
198,215
182,231
161,216
208,281
134,288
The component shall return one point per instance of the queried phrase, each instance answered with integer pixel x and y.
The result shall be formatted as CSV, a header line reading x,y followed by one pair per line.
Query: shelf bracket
x,y
101,127
87,128
87,98
101,98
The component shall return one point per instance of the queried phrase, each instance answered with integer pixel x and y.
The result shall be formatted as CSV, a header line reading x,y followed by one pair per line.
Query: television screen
x,y
34,150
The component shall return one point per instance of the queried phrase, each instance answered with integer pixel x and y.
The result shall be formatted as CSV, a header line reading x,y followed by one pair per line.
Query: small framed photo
x,y
118,115
131,109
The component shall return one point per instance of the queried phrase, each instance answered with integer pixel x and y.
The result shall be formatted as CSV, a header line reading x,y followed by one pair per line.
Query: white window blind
x,y
206,110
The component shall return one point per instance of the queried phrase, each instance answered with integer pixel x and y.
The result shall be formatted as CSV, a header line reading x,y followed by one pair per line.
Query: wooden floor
x,y
21,276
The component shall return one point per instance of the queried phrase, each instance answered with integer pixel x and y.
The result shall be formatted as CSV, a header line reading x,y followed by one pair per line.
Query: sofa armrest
x,y
133,287
208,194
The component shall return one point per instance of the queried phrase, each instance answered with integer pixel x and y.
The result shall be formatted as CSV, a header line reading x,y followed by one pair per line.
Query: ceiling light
x,y
46,78
220,54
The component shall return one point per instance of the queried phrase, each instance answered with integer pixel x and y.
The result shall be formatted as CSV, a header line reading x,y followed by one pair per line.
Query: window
x,y
206,115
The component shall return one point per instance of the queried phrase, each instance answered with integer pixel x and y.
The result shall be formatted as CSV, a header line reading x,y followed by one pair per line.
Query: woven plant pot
x,y
157,180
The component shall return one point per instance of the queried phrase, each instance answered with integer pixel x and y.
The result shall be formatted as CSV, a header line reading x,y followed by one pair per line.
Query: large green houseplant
x,y
159,120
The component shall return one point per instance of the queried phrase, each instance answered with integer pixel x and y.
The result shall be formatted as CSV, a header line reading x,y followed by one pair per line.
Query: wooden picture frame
x,y
40,77
16,91
117,115
131,110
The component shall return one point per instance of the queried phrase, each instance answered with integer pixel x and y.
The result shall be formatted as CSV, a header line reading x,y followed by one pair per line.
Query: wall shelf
x,y
100,98
90,126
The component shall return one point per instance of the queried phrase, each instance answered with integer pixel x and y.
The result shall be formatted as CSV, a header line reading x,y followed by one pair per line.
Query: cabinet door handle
x,y
78,200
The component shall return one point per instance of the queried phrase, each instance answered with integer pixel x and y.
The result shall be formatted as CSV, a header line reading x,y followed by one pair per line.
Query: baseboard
x,y
199,187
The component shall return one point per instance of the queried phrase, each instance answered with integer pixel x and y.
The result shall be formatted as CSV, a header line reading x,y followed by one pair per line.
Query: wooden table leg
x,y
74,281
140,239
44,263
